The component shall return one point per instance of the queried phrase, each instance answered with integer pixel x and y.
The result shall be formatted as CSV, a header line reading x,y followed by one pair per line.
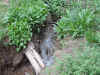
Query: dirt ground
x,y
7,55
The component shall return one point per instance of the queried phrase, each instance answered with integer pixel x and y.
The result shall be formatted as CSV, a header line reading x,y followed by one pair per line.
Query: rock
x,y
17,59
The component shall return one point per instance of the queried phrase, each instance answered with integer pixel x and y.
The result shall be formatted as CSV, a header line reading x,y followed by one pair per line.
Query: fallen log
x,y
34,58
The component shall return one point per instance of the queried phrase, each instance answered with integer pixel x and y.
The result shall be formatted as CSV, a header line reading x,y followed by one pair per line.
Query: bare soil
x,y
7,55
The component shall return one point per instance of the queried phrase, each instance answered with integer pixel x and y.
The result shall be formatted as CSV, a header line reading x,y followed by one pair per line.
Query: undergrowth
x,y
81,19
84,62
76,23
3,26
56,7
23,17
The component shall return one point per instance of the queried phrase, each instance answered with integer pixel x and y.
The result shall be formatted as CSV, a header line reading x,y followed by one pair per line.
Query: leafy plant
x,y
90,36
23,17
56,7
3,27
93,37
84,62
20,33
76,23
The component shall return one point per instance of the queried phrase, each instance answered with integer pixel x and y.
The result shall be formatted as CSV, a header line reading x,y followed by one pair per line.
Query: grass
x,y
85,62
3,10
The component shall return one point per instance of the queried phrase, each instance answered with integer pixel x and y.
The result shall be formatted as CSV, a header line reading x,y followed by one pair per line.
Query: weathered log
x,y
34,58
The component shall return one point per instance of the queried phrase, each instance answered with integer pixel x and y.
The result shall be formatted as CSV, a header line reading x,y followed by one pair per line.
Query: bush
x,y
23,16
84,62
76,23
19,33
56,7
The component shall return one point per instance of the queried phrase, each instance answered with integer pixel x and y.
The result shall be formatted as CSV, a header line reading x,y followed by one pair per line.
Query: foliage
x,y
23,16
56,7
97,12
75,23
93,37
79,23
84,62
35,11
20,33
3,27
90,36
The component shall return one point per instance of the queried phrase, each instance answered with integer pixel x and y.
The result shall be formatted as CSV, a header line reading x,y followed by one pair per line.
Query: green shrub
x,y
76,23
56,7
35,11
20,33
84,62
23,16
